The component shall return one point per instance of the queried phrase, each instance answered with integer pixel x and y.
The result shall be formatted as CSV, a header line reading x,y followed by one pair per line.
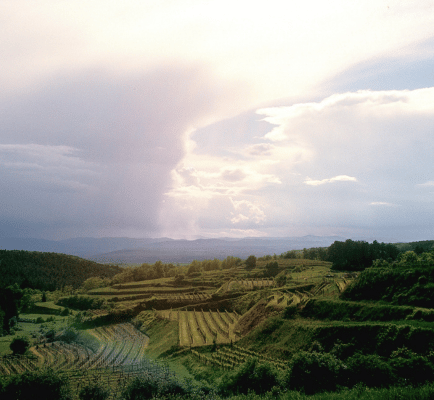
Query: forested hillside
x,y
49,271
407,281
418,247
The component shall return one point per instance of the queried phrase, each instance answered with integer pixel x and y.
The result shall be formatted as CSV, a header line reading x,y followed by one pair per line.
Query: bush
x,y
179,279
280,280
65,312
251,262
315,372
42,385
271,269
250,375
69,335
411,367
94,392
19,345
81,302
370,370
290,312
147,387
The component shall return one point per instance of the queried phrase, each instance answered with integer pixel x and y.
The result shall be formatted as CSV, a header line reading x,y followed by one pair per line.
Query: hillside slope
x,y
49,271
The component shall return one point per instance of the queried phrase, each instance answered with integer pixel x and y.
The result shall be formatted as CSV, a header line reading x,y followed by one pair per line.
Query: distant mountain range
x,y
129,250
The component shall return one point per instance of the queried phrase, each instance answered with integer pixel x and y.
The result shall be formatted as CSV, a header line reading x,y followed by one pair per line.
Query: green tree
x,y
10,303
272,268
251,262
289,254
19,345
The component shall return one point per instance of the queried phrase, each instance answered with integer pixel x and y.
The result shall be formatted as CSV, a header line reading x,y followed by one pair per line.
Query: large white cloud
x,y
335,165
278,49
103,104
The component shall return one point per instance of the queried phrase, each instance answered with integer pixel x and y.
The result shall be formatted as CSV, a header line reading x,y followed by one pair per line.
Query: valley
x,y
209,322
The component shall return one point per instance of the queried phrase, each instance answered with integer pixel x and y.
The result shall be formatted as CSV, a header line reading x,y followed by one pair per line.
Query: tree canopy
x,y
358,255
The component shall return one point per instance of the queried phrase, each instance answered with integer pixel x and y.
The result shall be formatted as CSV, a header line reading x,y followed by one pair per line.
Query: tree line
x,y
349,255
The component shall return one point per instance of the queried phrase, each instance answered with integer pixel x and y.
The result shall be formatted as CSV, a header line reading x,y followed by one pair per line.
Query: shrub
x,y
315,372
271,269
290,312
179,279
69,335
411,367
251,262
147,387
250,375
81,302
42,385
65,312
19,345
370,370
280,280
94,392
50,335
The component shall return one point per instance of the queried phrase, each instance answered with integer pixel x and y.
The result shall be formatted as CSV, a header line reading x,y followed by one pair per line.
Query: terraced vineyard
x,y
120,345
186,296
116,378
252,283
199,328
17,364
280,299
229,357
246,284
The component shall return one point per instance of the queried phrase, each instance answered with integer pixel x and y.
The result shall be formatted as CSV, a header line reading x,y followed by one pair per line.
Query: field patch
x,y
200,328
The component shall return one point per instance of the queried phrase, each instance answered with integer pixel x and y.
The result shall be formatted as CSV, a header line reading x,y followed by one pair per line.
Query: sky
x,y
160,118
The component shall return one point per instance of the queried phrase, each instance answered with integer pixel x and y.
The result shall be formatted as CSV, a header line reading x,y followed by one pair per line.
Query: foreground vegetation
x,y
294,326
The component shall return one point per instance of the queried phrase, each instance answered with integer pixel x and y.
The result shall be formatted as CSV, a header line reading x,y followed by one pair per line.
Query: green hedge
x,y
338,310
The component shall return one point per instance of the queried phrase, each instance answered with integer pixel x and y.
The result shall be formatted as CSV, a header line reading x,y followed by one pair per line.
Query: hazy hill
x,y
167,250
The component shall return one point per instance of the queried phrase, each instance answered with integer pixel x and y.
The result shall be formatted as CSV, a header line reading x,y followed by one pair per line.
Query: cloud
x,y
339,178
105,144
426,184
382,203
382,140
247,211
260,149
114,114
284,48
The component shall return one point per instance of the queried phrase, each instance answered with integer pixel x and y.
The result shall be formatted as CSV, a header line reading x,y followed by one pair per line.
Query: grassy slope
x,y
163,341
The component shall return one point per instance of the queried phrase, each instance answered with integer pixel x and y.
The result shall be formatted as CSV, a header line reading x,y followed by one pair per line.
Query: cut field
x,y
199,328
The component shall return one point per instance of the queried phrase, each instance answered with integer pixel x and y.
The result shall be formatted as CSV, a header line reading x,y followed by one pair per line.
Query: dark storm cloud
x,y
97,148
